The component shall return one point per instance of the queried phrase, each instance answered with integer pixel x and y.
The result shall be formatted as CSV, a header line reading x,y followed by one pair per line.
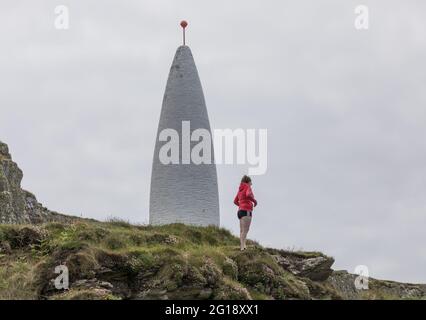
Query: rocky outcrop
x,y
18,206
312,265
344,282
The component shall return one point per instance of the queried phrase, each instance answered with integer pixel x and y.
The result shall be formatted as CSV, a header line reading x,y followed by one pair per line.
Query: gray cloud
x,y
344,111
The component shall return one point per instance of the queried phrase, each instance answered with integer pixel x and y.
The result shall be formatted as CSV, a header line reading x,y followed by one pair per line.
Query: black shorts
x,y
244,213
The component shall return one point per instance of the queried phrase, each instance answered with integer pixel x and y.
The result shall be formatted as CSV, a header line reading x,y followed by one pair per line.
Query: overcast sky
x,y
345,112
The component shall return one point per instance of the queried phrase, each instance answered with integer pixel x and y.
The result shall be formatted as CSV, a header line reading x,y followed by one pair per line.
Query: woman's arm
x,y
250,196
236,201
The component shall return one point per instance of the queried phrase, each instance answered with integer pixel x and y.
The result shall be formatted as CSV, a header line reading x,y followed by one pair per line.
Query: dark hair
x,y
246,179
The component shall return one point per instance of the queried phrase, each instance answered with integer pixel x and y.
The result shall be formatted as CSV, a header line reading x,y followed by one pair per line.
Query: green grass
x,y
150,262
16,278
172,253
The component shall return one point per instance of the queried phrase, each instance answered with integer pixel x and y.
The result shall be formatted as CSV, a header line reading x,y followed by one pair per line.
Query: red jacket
x,y
245,198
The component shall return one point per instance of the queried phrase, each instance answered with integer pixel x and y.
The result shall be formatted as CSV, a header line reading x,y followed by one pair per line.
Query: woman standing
x,y
245,201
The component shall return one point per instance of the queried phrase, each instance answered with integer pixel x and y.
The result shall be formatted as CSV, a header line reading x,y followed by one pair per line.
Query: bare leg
x,y
241,233
247,228
244,229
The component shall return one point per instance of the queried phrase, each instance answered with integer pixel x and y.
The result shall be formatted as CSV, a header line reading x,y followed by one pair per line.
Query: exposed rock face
x,y
344,283
314,266
19,206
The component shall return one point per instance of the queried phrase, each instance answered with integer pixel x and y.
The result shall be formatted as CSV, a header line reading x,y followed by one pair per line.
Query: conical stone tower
x,y
184,192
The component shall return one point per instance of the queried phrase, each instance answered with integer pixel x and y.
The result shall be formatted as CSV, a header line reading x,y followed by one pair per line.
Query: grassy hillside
x,y
116,260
